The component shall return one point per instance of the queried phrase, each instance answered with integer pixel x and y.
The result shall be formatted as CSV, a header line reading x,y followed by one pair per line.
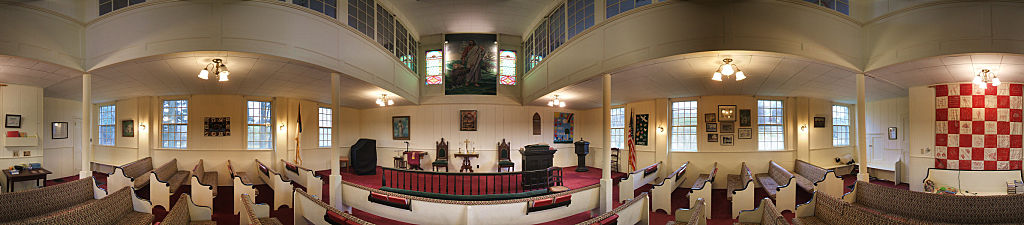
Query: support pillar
x,y
862,147
86,126
606,165
335,178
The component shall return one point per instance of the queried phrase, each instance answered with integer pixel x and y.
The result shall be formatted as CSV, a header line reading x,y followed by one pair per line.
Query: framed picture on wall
x,y
467,120
892,133
400,127
744,117
727,113
12,121
712,137
59,130
745,133
710,118
128,128
710,127
728,127
728,140
819,121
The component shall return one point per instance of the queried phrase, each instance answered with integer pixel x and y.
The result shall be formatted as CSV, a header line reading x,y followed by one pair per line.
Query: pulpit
x,y
413,159
536,160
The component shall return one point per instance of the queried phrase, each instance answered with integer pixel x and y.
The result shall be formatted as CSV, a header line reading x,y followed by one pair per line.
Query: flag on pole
x,y
630,144
298,155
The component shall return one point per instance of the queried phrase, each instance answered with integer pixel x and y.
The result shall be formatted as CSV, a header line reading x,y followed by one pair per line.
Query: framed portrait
x,y
128,128
59,130
728,127
710,127
217,126
819,121
467,120
726,113
400,127
744,117
712,137
892,133
12,121
745,133
710,118
728,140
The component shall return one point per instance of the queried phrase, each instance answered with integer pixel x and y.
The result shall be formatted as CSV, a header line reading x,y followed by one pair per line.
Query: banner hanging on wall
x,y
978,128
641,128
563,127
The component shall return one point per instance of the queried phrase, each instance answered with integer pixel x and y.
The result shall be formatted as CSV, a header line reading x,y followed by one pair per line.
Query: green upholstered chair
x,y
505,156
442,156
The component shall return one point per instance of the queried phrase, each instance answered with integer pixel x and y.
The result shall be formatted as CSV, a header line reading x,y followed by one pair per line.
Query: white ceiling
x,y
470,16
17,70
768,74
251,74
952,69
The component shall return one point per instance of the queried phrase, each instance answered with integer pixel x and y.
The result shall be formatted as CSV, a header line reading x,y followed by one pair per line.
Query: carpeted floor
x,y
720,206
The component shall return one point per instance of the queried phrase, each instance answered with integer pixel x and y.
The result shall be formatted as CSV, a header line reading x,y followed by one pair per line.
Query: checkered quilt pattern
x,y
978,129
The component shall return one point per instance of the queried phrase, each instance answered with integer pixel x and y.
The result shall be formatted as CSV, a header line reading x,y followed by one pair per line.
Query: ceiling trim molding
x,y
43,10
929,4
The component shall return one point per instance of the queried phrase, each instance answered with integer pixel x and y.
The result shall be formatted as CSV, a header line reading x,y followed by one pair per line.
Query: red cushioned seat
x,y
563,198
542,202
398,200
614,219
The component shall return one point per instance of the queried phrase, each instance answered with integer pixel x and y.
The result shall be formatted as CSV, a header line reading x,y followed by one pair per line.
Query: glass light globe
x,y
717,77
727,69
740,76
205,74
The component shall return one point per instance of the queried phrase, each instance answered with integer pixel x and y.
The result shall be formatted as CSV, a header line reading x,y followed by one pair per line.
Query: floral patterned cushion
x,y
42,201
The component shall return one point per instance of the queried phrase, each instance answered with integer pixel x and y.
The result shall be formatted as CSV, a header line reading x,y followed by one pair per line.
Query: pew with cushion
x,y
702,188
41,202
307,178
906,205
662,190
164,181
241,185
255,214
116,208
635,211
813,178
777,183
308,208
692,216
637,179
203,184
766,213
740,192
134,174
186,212
825,209
281,185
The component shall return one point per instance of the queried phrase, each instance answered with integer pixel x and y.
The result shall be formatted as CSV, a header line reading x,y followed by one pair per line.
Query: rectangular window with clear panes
x,y
840,125
174,124
324,124
618,127
770,132
107,125
258,125
684,126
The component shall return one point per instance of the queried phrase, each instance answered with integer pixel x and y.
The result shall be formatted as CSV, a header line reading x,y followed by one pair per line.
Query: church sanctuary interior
x,y
481,112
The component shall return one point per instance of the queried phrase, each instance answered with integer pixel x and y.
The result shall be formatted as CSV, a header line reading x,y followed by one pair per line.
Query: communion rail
x,y
471,183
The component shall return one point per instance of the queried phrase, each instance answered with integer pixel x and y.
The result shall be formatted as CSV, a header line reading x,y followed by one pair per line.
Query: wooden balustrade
x,y
467,183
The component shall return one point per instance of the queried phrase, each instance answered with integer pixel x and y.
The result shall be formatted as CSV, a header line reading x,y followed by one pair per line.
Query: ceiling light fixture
x,y
728,69
384,100
985,77
219,68
556,102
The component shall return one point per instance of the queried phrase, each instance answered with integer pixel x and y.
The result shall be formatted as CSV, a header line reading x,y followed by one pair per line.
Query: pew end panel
x,y
203,193
692,216
197,212
637,179
158,192
118,179
282,188
662,191
253,211
241,188
141,205
742,190
97,192
305,177
702,188
807,209
832,184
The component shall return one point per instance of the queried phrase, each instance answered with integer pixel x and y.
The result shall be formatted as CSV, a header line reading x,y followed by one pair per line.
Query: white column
x,y
862,147
335,178
86,125
606,163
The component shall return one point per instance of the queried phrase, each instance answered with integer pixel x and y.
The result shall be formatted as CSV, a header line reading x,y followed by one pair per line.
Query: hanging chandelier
x,y
218,67
985,77
556,102
728,69
384,100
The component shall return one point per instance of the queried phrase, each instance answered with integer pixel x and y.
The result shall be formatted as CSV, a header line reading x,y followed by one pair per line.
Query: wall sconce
x,y
142,127
281,127
661,129
803,128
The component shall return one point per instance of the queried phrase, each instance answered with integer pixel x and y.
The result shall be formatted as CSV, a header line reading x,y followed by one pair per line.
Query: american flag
x,y
630,144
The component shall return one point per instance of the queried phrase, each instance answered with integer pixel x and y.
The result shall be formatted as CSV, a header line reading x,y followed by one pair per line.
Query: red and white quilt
x,y
978,129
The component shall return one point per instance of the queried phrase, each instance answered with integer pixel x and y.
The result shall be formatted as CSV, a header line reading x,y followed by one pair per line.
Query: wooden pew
x,y
241,185
778,182
692,216
309,208
281,186
637,179
740,192
766,213
164,181
134,174
203,185
305,177
185,212
702,188
814,178
74,203
662,192
255,214
634,211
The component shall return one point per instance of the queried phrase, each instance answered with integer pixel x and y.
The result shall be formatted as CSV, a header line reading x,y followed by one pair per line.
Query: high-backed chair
x,y
441,159
505,156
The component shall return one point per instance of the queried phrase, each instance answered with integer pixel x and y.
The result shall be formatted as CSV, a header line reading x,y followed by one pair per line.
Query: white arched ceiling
x,y
251,75
471,16
25,71
952,69
768,74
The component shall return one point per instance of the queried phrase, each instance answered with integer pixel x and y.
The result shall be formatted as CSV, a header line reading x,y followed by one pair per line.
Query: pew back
x,y
308,208
282,186
632,212
637,179
241,185
662,191
41,201
305,177
938,208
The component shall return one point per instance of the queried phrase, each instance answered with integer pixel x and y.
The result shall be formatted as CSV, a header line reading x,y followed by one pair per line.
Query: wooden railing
x,y
468,183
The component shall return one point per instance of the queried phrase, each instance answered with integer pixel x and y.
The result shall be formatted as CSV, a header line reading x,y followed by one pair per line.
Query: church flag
x,y
630,144
298,155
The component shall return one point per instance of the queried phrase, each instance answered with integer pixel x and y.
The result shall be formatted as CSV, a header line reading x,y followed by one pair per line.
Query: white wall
x,y
921,135
62,156
26,101
881,115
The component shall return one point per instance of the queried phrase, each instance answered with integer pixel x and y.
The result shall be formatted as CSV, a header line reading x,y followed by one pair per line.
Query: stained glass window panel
x,y
435,64
507,62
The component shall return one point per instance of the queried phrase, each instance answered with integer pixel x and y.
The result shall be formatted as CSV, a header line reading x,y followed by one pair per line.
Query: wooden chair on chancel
x,y
441,159
505,156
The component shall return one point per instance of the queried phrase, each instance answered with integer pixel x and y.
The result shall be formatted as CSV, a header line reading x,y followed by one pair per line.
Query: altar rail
x,y
467,183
